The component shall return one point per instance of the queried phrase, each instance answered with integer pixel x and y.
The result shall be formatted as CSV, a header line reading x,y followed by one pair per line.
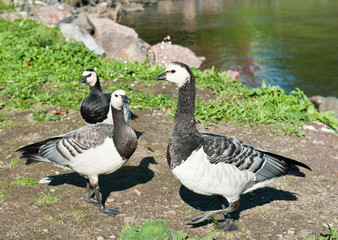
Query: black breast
x,y
95,108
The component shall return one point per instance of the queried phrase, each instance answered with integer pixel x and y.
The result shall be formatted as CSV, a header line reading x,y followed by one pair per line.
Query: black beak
x,y
163,76
125,99
83,79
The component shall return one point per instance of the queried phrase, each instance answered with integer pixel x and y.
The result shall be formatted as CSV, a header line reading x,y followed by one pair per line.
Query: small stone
x,y
137,192
304,233
309,127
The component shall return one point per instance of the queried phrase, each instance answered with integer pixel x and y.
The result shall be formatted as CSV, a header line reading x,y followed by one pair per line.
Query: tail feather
x,y
289,161
133,116
31,151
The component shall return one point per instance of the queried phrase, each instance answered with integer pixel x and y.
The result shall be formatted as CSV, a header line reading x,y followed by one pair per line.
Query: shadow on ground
x,y
254,199
124,178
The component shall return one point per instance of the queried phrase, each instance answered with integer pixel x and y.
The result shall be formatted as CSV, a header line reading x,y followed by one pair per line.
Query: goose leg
x,y
87,195
202,217
228,224
109,211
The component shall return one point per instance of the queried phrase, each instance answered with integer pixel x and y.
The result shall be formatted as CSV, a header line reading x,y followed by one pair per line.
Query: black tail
x,y
133,116
292,163
33,149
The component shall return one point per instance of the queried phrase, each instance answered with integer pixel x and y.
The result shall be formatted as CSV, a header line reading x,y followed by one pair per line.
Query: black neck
x,y
184,137
121,135
96,87
186,105
118,120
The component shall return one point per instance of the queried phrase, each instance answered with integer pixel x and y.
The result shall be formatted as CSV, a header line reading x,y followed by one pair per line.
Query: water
x,y
291,43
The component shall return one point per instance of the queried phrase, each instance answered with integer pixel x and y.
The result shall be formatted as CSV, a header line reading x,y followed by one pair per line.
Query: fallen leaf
x,y
28,63
63,112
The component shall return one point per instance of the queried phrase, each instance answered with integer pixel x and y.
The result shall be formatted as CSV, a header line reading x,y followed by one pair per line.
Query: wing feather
x,y
61,149
264,164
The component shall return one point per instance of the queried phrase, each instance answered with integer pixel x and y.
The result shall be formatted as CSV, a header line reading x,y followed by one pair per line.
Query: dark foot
x,y
198,218
90,200
227,226
110,211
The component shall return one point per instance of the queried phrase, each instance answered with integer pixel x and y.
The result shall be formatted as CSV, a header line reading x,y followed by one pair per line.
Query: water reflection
x,y
292,43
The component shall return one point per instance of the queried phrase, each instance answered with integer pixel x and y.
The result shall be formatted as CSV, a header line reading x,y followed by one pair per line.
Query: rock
x,y
51,15
146,2
72,32
121,47
104,9
233,74
324,104
107,25
11,16
165,53
304,233
318,126
81,21
133,7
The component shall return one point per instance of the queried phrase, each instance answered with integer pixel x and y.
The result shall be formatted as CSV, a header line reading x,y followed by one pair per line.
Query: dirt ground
x,y
290,208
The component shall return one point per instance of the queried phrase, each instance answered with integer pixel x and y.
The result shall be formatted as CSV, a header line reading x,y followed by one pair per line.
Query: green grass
x,y
25,182
154,229
39,68
79,213
14,162
6,7
47,198
42,115
331,235
3,192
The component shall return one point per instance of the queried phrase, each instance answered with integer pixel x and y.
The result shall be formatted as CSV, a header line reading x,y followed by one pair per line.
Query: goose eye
x,y
173,71
115,95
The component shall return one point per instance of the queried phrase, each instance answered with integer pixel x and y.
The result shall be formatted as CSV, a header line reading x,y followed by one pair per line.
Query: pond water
x,y
291,43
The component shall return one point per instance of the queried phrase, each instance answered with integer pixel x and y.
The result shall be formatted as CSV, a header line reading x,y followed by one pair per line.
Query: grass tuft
x,y
47,198
25,182
154,229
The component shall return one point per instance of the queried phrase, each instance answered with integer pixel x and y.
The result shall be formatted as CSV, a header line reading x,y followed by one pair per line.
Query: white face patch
x,y
92,79
117,99
177,74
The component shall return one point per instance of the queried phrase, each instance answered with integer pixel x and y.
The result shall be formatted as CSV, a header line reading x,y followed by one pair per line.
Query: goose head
x,y
177,73
118,99
90,77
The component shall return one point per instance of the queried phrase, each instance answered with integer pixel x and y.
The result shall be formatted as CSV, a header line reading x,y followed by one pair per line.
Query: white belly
x,y
103,159
198,175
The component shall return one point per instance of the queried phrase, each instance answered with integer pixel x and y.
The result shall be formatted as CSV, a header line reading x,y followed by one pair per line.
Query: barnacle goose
x,y
210,164
92,150
95,107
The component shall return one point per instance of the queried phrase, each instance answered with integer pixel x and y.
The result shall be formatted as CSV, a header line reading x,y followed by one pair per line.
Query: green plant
x,y
153,229
42,115
14,162
3,193
6,7
332,235
47,198
4,183
25,182
79,213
